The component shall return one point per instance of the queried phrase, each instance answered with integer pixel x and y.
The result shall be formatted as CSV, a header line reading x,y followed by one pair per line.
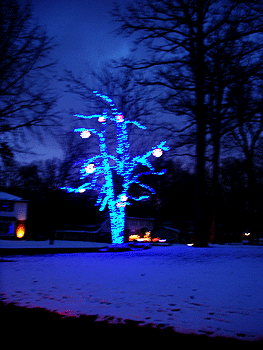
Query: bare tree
x,y
73,151
135,101
119,83
180,37
246,139
26,97
233,74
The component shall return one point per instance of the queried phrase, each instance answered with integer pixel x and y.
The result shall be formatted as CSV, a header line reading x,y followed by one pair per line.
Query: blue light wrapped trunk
x,y
120,162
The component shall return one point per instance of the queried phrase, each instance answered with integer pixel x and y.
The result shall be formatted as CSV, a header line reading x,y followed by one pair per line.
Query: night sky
x,y
83,31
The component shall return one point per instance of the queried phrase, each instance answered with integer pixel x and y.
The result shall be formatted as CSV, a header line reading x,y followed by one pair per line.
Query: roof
x,y
92,228
9,197
140,218
170,228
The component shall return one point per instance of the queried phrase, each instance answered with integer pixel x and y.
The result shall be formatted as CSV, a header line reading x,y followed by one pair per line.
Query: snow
x,y
215,291
23,244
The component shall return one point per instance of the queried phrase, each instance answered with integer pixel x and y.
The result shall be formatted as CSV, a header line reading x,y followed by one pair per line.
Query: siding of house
x,y
135,224
13,214
102,231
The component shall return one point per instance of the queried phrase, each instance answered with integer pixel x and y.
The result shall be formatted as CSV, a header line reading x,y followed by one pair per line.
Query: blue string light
x,y
123,164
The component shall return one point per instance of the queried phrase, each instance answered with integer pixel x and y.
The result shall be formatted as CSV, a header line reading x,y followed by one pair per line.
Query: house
x,y
13,215
169,233
182,235
102,231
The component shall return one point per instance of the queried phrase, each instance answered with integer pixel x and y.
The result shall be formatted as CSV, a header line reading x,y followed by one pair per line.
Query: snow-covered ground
x,y
23,244
215,291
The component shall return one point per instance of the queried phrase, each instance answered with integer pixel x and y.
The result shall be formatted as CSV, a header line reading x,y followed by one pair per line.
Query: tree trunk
x,y
214,224
216,129
117,222
200,220
251,197
117,214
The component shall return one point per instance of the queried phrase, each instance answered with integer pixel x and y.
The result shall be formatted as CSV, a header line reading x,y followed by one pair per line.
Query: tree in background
x,y
114,174
182,39
26,98
248,142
